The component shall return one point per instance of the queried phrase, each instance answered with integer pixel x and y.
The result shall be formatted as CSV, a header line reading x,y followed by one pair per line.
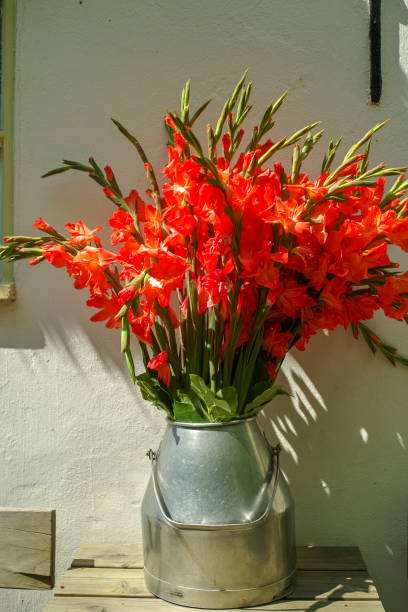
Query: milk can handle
x,y
274,452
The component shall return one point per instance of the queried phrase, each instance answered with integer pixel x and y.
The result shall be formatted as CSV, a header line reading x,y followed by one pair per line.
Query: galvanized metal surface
x,y
217,520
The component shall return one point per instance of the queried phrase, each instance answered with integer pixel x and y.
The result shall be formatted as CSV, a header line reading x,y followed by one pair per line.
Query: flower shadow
x,y
343,431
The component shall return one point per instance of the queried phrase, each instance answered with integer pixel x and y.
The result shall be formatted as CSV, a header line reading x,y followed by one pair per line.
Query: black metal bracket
x,y
375,51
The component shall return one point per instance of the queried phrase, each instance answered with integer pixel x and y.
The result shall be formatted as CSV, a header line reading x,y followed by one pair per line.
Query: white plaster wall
x,y
73,430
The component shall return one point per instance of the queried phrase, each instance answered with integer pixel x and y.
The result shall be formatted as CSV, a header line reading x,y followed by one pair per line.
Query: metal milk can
x,y
217,518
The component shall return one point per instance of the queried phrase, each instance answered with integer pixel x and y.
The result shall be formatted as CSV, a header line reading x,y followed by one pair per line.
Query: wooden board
x,y
119,582
107,578
27,548
104,582
113,604
329,558
333,584
107,555
308,557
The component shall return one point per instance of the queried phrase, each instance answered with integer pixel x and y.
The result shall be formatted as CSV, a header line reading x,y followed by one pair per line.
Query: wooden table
x,y
106,578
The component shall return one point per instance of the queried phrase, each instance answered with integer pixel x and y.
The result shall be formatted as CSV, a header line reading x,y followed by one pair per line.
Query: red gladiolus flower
x,y
57,255
169,121
108,172
143,322
271,370
359,308
122,224
81,234
293,298
88,269
108,192
161,364
275,342
184,222
394,296
42,225
133,200
127,294
179,142
35,261
109,306
211,288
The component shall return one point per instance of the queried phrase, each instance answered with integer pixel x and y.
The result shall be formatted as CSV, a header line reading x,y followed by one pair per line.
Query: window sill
x,y
7,292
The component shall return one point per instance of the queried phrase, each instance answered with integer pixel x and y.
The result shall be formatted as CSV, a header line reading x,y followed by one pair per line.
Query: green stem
x,y
145,353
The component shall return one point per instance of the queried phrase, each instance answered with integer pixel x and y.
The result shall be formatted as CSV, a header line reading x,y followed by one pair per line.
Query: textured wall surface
x,y
73,429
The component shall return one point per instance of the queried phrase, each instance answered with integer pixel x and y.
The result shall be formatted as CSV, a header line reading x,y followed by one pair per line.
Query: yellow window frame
x,y
7,288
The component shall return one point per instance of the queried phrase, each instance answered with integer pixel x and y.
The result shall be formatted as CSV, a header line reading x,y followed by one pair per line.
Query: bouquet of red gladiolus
x,y
233,262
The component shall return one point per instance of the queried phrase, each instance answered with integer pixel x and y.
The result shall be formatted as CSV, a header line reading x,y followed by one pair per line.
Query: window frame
x,y
7,287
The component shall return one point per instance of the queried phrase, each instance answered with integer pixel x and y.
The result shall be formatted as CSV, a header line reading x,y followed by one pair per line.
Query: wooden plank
x,y
22,551
27,548
329,558
313,558
120,604
336,584
103,582
310,584
16,580
38,521
107,555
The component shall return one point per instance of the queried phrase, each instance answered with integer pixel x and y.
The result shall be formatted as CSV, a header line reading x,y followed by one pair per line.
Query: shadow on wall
x,y
18,327
347,466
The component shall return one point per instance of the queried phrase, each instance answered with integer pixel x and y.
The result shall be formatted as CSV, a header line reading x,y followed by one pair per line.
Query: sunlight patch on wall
x,y
290,425
400,440
285,444
364,434
298,380
403,48
325,487
285,475
281,424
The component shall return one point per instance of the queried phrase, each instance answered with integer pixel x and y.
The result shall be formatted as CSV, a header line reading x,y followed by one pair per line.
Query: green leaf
x,y
198,112
221,412
56,171
400,359
236,91
170,134
74,165
261,373
297,135
258,388
238,369
153,392
263,398
186,410
375,343
217,409
230,395
365,138
201,390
